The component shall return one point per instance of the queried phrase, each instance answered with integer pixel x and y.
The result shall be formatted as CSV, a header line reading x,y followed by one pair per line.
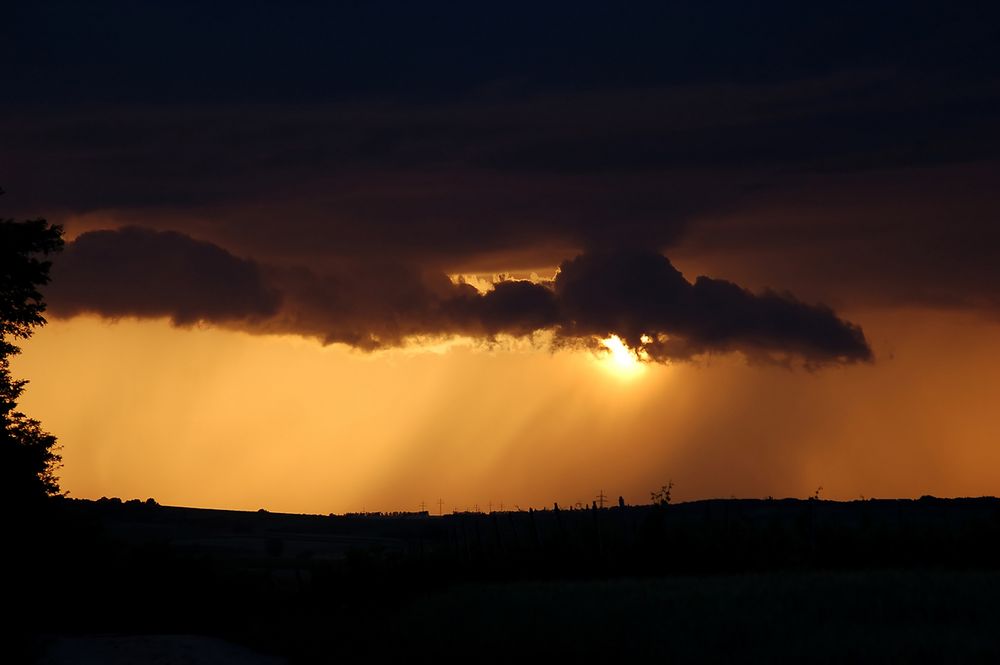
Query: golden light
x,y
621,359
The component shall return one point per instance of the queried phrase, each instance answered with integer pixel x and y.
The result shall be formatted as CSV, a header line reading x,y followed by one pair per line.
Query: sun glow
x,y
621,359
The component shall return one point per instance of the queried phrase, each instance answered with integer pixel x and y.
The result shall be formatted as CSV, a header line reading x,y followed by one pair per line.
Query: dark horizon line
x,y
548,508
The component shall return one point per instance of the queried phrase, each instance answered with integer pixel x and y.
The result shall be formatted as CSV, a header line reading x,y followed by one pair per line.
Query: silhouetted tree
x,y
662,496
28,457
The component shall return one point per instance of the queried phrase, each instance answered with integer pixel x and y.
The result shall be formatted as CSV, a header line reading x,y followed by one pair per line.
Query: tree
x,y
662,496
28,457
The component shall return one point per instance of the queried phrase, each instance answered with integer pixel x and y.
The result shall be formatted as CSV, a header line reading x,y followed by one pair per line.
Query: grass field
x,y
708,582
810,617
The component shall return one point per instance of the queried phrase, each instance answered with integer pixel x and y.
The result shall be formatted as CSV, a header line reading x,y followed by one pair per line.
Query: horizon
x,y
471,510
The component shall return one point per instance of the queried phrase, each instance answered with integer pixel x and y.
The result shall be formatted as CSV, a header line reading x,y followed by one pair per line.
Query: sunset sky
x,y
330,257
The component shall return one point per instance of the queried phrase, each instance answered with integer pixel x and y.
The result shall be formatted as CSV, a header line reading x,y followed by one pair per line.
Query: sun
x,y
621,359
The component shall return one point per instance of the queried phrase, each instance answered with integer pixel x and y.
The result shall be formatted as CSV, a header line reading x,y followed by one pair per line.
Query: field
x,y
702,582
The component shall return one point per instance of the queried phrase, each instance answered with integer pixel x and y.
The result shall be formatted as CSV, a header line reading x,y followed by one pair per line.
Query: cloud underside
x,y
635,294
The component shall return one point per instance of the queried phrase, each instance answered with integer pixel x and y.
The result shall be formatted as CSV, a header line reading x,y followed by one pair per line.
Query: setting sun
x,y
621,359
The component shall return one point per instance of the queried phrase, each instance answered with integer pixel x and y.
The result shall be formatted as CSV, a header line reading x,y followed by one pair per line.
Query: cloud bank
x,y
850,153
142,273
633,293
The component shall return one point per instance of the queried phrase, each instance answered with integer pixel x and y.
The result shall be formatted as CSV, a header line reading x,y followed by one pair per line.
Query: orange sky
x,y
209,417
815,188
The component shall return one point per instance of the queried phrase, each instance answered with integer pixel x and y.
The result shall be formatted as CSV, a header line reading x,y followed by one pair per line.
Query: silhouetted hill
x,y
721,535
305,585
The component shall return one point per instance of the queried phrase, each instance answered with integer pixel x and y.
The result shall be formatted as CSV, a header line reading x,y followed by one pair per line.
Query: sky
x,y
331,257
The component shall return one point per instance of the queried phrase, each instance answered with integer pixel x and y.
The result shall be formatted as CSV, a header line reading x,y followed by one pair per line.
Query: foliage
x,y
28,457
661,497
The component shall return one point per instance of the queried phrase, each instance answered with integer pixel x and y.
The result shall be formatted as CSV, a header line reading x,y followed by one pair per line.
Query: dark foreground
x,y
703,582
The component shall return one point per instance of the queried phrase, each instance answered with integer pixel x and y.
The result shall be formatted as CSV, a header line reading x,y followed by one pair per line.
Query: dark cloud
x,y
179,51
374,306
642,298
144,273
514,307
925,237
472,139
637,295
454,183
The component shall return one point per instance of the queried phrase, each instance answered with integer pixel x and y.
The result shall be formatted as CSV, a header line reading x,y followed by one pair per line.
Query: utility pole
x,y
601,499
440,507
423,507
